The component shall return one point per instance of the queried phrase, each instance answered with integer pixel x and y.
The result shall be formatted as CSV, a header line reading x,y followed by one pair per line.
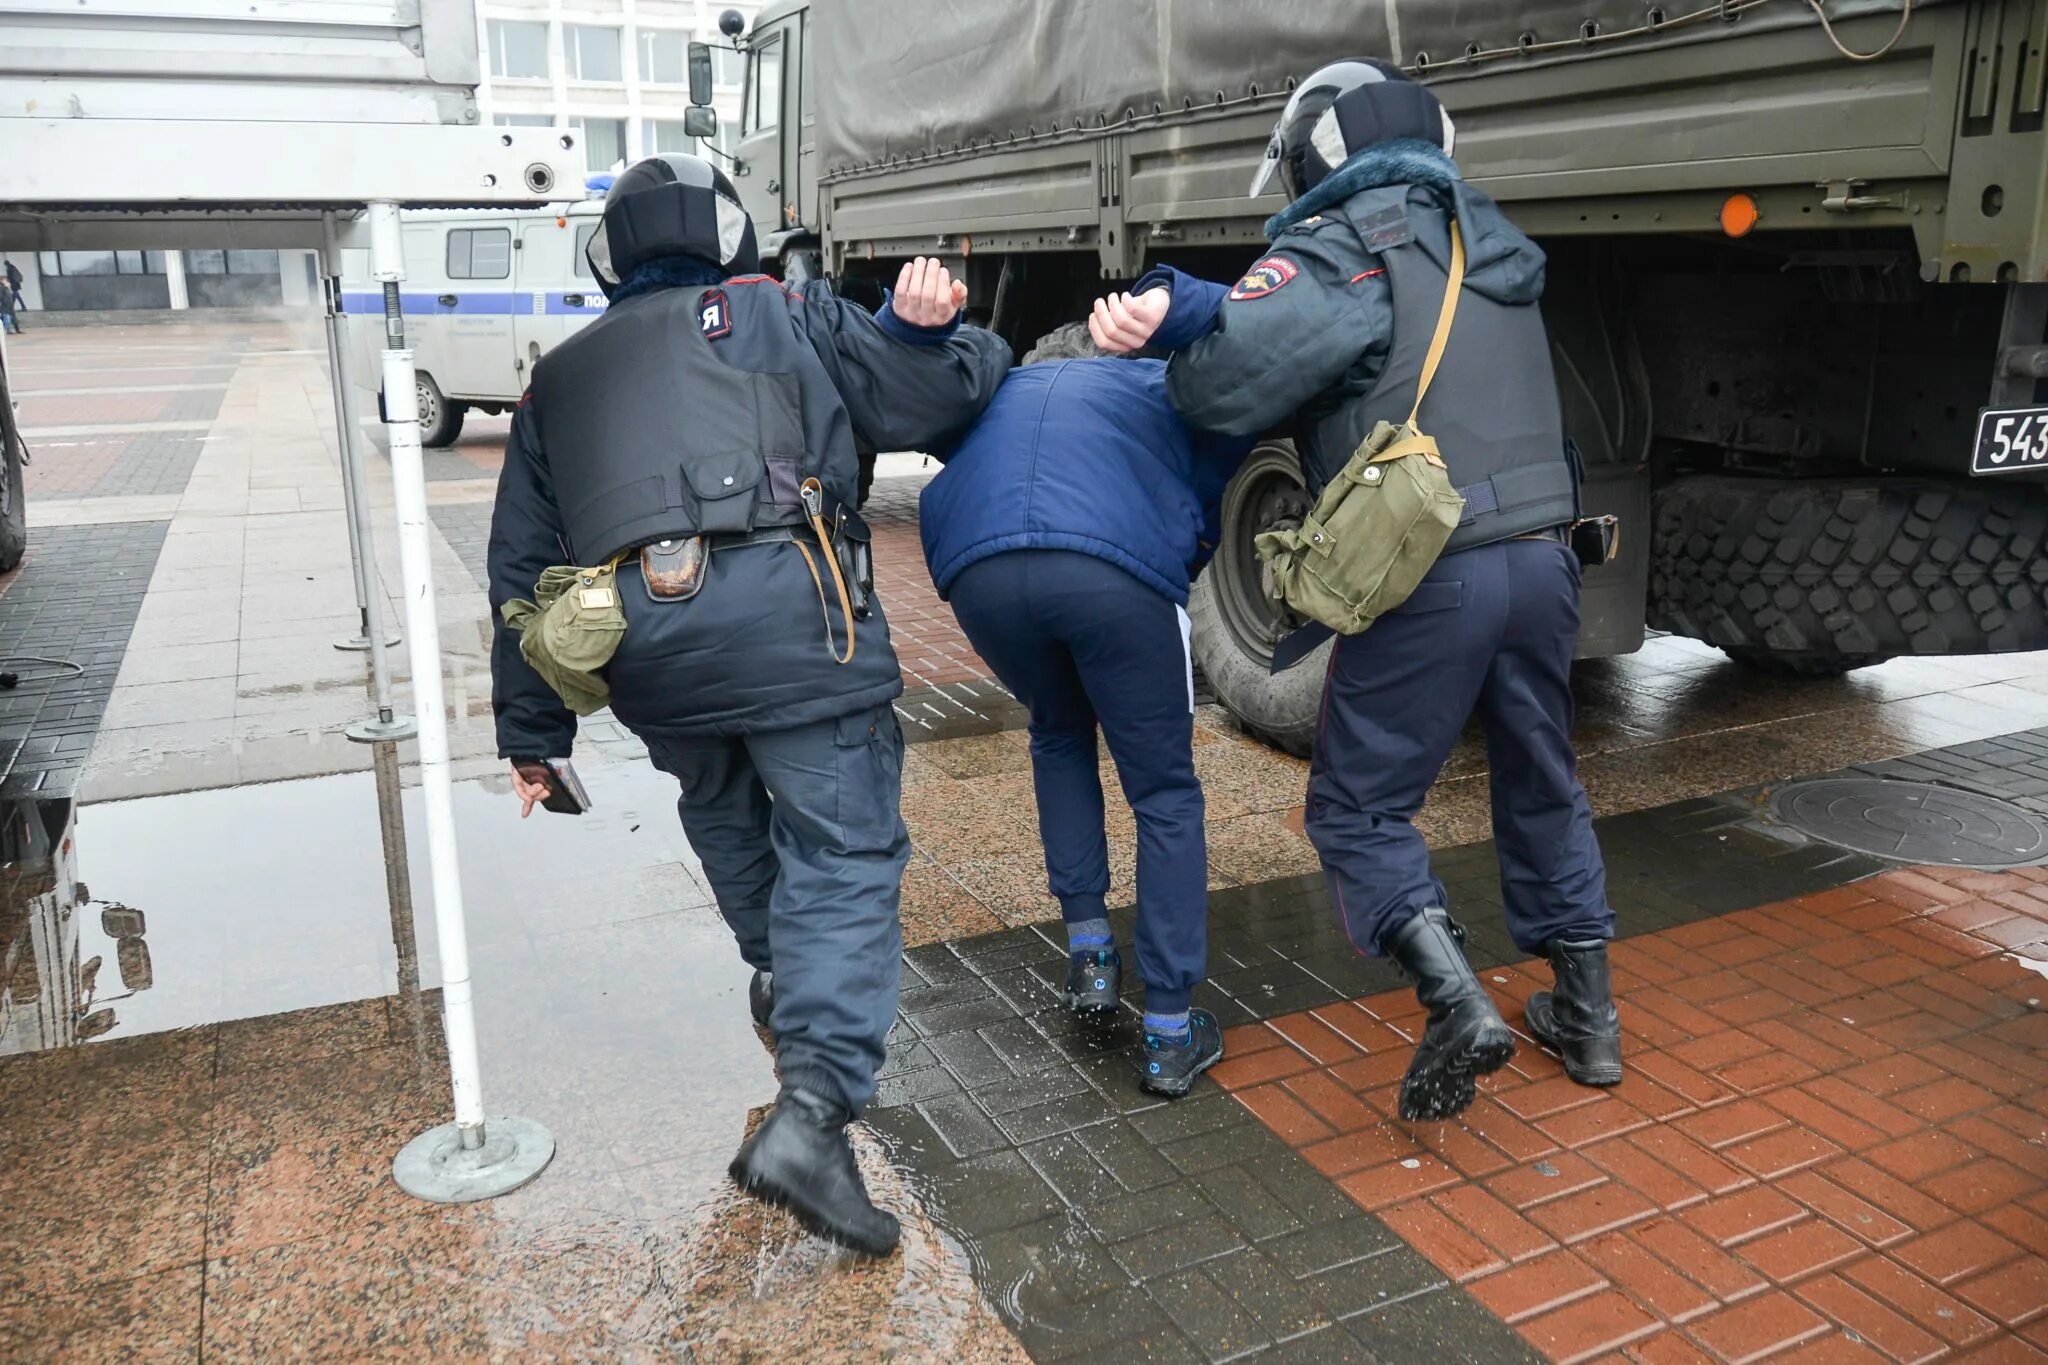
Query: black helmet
x,y
1342,109
671,205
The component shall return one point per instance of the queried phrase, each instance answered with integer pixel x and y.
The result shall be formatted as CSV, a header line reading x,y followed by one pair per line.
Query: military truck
x,y
1797,255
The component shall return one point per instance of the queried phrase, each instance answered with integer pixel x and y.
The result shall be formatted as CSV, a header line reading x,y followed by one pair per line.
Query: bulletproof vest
x,y
1493,406
660,424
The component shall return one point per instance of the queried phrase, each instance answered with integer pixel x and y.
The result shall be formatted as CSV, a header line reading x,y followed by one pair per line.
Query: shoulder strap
x,y
1452,286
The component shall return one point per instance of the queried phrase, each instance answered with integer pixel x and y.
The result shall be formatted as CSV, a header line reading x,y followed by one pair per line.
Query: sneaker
x,y
1094,976
1170,1065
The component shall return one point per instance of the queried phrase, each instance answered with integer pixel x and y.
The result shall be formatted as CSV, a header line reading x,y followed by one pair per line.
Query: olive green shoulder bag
x,y
1383,520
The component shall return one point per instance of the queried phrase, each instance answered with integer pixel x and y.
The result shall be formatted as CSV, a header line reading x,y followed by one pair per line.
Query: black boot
x,y
761,998
799,1159
1578,1019
1465,1037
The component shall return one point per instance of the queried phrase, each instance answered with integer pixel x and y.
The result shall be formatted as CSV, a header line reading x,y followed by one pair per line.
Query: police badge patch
x,y
714,314
1265,278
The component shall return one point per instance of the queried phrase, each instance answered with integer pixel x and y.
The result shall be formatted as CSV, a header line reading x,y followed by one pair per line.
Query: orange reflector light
x,y
1739,214
561,222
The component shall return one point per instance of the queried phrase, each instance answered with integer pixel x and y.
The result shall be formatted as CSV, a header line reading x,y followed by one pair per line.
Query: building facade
x,y
615,71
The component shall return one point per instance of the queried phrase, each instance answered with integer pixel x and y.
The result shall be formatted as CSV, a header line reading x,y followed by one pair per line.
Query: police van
x,y
486,294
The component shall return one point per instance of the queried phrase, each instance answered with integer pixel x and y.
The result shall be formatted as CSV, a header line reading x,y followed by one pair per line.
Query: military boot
x,y
1465,1037
761,998
799,1159
1578,1019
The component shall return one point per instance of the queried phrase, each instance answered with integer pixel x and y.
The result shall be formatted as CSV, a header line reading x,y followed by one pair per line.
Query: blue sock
x,y
1173,1027
1085,935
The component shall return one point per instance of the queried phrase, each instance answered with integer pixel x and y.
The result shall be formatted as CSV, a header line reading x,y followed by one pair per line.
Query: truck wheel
x,y
1236,619
1826,575
440,419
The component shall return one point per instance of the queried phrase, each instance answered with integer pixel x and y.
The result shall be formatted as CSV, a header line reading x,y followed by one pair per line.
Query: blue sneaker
x,y
1094,976
1170,1065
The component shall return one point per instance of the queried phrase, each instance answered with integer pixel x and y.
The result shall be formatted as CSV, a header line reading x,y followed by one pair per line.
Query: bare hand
x,y
1121,323
531,792
927,295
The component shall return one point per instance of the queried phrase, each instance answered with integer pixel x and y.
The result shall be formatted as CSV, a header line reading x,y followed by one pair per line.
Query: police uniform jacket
x,y
700,409
1326,335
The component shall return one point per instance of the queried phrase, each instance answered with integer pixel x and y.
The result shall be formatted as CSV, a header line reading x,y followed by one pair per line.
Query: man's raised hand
x,y
1122,323
927,295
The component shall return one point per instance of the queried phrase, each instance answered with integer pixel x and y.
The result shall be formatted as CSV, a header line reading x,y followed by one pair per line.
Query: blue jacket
x,y
1085,455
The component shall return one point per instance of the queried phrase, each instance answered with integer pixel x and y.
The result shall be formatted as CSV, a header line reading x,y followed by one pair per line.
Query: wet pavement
x,y
1834,1144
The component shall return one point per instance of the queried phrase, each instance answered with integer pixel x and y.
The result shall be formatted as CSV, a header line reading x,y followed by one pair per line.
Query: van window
x,y
479,253
583,236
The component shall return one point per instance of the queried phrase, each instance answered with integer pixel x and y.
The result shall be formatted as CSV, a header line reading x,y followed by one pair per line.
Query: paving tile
x,y
1451,1247
1176,1247
1372,1283
1747,1213
1699,1259
1876,1323
1859,1217
2016,1293
1757,1327
1583,1330
1591,1212
1934,1309
1803,1249
1647,1278
1538,1285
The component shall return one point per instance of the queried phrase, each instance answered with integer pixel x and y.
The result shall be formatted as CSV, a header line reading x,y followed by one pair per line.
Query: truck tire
x,y
1236,621
1825,575
440,419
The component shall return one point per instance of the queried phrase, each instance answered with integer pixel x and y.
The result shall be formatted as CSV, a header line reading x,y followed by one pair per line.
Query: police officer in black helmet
x,y
701,435
1330,331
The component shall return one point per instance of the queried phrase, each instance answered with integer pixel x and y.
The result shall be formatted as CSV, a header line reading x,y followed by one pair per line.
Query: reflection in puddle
x,y
56,986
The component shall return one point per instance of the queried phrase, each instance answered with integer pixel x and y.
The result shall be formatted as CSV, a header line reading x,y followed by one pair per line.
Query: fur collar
x,y
665,272
1403,161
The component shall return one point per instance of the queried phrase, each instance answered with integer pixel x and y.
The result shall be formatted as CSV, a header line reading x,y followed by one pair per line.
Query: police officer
x,y
1331,329
707,421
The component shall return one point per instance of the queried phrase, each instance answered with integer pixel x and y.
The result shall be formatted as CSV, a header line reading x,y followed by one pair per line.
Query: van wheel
x,y
440,419
1236,620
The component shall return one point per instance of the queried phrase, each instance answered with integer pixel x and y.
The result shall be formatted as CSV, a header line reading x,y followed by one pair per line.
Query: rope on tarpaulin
x,y
1722,9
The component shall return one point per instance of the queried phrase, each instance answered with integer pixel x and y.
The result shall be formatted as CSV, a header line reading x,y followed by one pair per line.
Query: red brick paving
x,y
1831,1144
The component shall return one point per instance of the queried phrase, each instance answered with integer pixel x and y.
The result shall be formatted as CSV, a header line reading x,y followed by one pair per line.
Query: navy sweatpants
x,y
1490,630
1078,641
801,836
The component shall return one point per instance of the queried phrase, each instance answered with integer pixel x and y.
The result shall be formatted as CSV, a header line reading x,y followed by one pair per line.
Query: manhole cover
x,y
1914,822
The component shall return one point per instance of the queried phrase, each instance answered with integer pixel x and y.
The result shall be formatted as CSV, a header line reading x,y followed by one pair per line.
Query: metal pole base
x,y
435,1166
361,643
375,731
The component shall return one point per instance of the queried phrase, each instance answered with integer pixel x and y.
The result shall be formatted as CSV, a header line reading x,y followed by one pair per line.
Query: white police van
x,y
486,294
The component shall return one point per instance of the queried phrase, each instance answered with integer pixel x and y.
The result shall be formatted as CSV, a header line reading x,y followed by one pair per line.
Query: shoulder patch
x,y
1266,277
714,314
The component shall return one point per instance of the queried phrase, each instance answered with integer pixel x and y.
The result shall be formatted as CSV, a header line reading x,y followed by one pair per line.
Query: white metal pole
x,y
174,279
465,1163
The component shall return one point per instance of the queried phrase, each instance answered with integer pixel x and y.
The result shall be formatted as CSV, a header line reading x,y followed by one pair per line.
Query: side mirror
x,y
699,121
700,73
732,23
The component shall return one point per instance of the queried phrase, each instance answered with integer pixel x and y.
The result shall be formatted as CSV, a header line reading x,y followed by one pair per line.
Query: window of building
x,y
479,253
727,70
584,232
592,53
764,99
519,49
524,120
663,57
231,262
659,135
604,142
57,263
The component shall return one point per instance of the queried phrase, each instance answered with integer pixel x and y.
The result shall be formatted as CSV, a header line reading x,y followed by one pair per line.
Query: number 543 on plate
x,y
2011,440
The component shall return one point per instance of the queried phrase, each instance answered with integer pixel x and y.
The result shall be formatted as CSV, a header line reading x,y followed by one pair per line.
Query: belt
x,y
1561,534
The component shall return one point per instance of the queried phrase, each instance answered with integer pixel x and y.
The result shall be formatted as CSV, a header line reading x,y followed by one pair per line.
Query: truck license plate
x,y
2010,441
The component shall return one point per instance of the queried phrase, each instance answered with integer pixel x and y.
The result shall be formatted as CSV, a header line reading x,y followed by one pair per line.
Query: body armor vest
x,y
654,433
1493,405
